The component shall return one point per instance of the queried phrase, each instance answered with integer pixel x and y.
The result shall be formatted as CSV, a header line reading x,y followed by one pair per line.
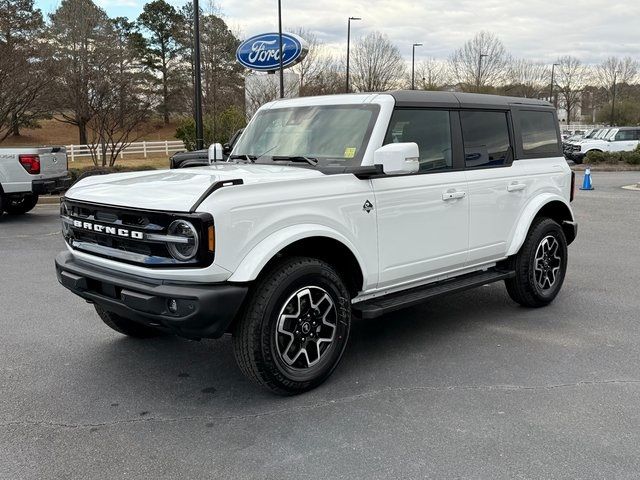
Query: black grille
x,y
122,233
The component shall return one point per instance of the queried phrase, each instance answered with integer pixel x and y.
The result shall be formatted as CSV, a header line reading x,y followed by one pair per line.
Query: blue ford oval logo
x,y
262,52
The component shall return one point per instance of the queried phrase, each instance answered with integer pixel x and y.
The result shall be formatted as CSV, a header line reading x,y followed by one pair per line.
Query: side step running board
x,y
379,306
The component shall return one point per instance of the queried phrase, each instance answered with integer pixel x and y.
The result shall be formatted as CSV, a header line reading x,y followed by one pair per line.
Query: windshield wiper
x,y
249,158
295,158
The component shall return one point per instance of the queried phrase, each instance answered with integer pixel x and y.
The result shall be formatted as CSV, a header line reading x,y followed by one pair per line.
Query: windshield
x,y
602,133
332,134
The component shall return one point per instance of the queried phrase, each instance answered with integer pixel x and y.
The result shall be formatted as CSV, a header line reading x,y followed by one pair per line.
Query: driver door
x,y
423,218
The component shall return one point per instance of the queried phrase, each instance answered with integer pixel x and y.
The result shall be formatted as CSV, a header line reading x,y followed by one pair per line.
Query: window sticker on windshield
x,y
349,152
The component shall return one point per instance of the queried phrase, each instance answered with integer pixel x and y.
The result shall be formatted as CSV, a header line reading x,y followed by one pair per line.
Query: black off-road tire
x,y
258,343
125,326
524,288
22,206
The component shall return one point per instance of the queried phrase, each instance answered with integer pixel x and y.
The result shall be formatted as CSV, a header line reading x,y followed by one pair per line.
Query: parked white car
x,y
623,139
26,173
363,204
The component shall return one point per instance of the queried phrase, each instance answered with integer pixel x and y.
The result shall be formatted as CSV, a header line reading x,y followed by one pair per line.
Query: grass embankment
x,y
53,132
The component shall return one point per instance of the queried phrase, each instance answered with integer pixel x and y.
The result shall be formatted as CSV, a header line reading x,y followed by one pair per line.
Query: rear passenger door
x,y
624,141
497,185
423,218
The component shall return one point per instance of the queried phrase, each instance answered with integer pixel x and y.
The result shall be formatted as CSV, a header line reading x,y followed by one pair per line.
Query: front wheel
x,y
540,265
295,327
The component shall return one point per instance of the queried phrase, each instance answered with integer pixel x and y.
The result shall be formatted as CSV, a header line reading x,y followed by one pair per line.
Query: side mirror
x,y
215,153
398,158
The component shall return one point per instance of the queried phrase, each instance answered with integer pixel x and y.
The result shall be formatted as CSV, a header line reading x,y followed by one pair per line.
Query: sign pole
x,y
197,80
281,49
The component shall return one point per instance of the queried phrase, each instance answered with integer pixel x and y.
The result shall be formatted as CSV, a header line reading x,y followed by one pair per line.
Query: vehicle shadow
x,y
173,375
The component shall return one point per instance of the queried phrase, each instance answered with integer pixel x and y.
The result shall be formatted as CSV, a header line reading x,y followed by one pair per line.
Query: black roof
x,y
421,98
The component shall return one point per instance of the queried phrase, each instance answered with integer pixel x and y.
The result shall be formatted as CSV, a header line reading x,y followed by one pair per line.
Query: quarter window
x,y
486,138
539,135
627,135
430,129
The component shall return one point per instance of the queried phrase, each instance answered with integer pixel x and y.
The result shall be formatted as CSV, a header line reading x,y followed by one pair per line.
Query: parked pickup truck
x,y
26,173
329,206
199,158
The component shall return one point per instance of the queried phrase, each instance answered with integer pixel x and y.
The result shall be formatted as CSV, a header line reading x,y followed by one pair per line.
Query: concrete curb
x,y
49,200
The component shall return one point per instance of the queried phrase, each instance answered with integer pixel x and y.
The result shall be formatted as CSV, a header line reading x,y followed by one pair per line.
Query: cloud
x,y
540,30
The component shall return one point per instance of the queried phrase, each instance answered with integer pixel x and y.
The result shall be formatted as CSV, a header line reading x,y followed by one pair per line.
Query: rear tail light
x,y
31,163
573,186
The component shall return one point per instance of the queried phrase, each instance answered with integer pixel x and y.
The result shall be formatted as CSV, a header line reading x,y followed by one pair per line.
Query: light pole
x,y
349,41
481,56
413,64
197,77
281,49
613,98
553,69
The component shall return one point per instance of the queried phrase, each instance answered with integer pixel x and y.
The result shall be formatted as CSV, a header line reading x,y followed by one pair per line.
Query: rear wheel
x,y
19,206
126,326
295,327
540,265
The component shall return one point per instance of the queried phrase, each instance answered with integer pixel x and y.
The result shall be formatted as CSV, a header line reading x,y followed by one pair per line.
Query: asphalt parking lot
x,y
468,386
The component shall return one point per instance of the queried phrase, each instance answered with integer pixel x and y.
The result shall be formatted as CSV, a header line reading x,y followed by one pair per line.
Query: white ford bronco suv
x,y
329,206
27,173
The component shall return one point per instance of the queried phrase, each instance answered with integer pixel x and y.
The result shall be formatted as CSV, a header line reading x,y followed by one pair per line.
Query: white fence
x,y
577,127
143,149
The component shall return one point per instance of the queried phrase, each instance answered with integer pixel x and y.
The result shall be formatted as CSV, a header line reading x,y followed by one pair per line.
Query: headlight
x,y
186,249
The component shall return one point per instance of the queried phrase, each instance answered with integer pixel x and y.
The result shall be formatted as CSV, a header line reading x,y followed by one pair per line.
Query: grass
x,y
53,132
157,161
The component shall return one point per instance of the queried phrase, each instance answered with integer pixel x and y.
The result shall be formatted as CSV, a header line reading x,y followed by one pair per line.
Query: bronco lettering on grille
x,y
120,232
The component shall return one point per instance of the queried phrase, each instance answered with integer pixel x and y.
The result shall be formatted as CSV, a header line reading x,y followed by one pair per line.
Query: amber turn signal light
x,y
212,238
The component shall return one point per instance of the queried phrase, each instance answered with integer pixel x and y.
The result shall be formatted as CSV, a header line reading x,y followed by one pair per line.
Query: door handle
x,y
516,187
446,196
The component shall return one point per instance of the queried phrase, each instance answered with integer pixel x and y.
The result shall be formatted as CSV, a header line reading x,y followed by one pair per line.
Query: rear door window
x,y
539,135
486,138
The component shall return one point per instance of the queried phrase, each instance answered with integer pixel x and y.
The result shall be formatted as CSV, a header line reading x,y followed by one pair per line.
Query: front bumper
x,y
52,185
203,310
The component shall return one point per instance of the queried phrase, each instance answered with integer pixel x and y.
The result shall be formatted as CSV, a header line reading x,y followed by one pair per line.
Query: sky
x,y
539,30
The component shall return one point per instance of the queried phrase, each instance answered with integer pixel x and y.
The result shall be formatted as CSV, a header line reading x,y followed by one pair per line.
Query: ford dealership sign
x,y
262,52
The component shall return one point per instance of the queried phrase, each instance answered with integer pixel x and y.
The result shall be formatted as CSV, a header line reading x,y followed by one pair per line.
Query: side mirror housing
x,y
398,158
215,153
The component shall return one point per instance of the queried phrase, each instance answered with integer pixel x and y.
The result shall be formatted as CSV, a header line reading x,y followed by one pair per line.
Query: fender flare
x,y
253,263
527,216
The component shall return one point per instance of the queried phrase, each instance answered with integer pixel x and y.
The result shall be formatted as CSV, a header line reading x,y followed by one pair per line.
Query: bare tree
x,y
613,75
431,74
313,71
377,64
526,78
79,34
264,88
121,109
21,27
481,61
570,78
22,91
329,80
